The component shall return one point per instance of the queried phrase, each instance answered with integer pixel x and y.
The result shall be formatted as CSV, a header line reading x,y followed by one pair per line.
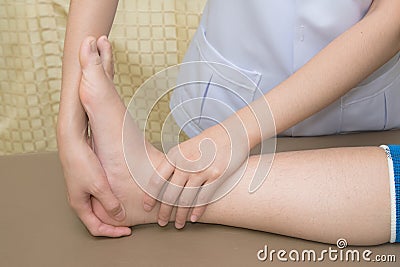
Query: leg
x,y
320,195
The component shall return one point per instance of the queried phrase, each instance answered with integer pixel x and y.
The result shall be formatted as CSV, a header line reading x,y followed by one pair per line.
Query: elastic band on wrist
x,y
393,155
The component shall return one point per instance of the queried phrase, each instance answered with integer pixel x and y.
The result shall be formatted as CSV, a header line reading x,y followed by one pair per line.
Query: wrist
x,y
70,134
258,120
67,130
71,121
234,127
245,124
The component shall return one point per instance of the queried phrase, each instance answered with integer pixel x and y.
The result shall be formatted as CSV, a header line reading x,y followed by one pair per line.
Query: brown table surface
x,y
37,228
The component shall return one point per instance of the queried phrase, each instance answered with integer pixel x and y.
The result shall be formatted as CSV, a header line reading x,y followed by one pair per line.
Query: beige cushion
x,y
147,36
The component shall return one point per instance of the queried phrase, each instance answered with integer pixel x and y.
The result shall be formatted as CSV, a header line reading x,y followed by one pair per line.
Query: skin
x,y
320,195
84,175
334,71
329,75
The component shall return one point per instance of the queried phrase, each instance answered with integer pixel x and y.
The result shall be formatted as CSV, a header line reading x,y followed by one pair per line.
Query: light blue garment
x,y
268,40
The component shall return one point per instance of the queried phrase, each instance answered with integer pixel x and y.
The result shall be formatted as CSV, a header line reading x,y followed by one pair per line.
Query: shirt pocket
x,y
373,106
224,87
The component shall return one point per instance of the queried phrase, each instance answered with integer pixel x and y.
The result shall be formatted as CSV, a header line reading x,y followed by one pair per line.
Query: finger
x,y
181,217
106,56
186,200
165,211
204,197
197,213
95,226
170,196
101,190
156,183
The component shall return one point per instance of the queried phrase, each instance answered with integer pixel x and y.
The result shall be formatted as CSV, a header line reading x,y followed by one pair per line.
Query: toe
x,y
105,49
89,57
94,86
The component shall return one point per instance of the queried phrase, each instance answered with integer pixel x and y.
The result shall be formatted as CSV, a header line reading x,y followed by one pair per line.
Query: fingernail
x,y
93,46
162,223
121,215
127,232
193,218
179,225
147,207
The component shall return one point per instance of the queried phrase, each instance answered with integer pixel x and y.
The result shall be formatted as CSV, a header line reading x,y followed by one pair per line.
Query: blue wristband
x,y
395,155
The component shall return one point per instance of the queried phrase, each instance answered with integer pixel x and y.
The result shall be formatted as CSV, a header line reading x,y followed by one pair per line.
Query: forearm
x,y
335,70
86,17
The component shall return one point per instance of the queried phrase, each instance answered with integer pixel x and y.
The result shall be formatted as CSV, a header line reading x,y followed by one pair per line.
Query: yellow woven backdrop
x,y
147,36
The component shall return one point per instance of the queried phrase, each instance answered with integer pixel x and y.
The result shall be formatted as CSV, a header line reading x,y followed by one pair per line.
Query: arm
x,y
319,195
333,72
83,173
88,17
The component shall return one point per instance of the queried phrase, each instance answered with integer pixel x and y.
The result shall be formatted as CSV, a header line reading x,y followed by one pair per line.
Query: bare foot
x,y
106,113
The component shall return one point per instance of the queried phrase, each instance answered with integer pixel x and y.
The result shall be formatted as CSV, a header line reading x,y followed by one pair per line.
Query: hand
x,y
191,168
85,178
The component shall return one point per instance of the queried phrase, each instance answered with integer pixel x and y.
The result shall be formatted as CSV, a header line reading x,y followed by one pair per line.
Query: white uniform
x,y
268,40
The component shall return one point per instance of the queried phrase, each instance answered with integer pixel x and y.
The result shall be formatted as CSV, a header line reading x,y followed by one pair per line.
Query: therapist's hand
x,y
85,178
212,156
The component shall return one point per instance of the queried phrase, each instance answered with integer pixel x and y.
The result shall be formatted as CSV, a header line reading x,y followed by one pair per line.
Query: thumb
x,y
110,203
